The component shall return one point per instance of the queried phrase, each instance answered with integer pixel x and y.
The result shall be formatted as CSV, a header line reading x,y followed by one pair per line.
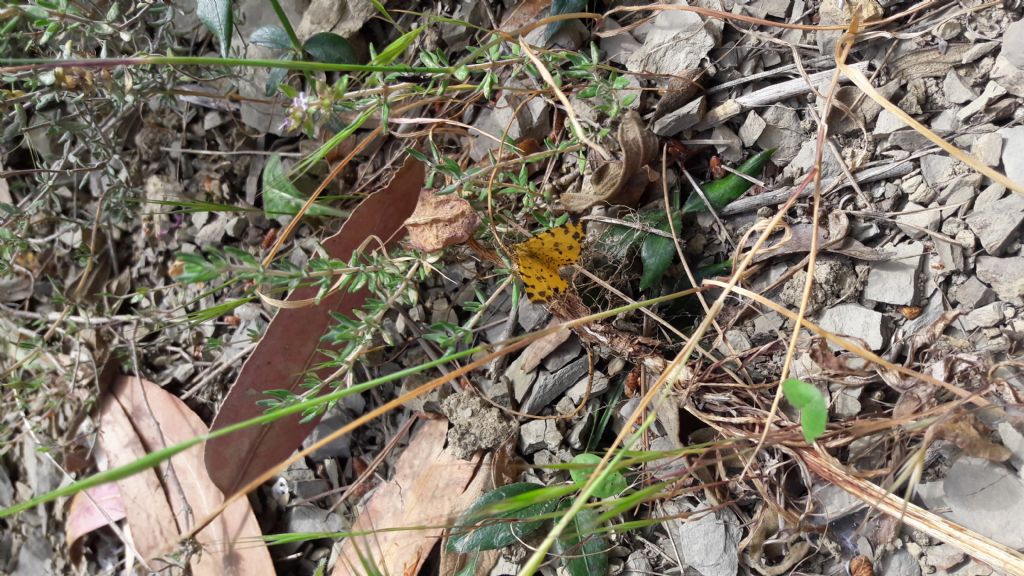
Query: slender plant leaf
x,y
582,549
562,7
484,528
271,37
396,48
280,196
329,47
811,404
658,252
217,16
729,187
613,483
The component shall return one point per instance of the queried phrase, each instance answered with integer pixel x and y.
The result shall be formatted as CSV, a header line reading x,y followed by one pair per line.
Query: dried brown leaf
x,y
430,489
613,182
289,347
138,417
441,221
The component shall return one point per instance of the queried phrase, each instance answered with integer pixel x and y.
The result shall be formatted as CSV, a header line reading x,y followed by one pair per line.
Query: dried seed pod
x,y
861,566
911,312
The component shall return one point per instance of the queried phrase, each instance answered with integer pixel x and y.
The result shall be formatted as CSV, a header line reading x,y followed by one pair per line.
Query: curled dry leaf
x,y
680,90
619,182
835,240
441,221
969,434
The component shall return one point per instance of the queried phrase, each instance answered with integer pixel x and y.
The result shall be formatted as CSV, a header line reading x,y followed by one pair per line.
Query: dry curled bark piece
x,y
441,221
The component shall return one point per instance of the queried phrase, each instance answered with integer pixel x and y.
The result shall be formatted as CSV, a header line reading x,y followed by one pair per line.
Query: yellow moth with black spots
x,y
538,260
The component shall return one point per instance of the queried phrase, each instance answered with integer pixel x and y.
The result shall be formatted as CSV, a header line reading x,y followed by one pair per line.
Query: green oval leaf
x,y
612,484
280,196
271,37
217,17
482,527
583,552
331,48
811,404
729,187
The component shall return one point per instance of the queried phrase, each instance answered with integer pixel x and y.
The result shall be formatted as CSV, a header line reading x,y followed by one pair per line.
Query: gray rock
x,y
972,294
35,557
339,448
598,386
805,158
531,315
951,255
708,543
519,379
674,41
887,123
637,564
997,224
6,488
918,220
986,497
782,132
858,322
944,556
682,119
895,281
1014,442
537,435
992,91
984,317
1013,152
955,89
937,169
551,385
618,47
987,148
833,503
1013,44
900,563
752,128
1004,275
989,195
566,352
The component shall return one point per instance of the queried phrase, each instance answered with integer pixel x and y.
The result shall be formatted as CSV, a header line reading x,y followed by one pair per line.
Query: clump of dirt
x,y
835,280
476,425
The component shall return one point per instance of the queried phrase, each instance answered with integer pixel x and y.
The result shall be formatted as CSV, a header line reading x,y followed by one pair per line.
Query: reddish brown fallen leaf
x,y
91,510
525,12
430,489
289,347
441,221
139,417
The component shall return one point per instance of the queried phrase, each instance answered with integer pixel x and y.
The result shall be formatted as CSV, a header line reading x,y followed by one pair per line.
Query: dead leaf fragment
x,y
430,489
968,434
139,417
441,221
619,182
91,510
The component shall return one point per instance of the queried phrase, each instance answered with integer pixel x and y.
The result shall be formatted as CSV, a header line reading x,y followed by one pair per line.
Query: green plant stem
x,y
26,64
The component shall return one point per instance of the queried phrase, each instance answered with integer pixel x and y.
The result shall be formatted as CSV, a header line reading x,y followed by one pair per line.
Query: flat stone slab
x,y
856,321
895,281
